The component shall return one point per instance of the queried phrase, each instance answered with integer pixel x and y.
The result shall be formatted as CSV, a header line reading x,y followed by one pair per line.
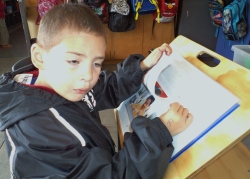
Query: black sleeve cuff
x,y
165,134
131,67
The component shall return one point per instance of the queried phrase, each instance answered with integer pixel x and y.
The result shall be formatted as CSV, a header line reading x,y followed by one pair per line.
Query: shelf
x,y
12,13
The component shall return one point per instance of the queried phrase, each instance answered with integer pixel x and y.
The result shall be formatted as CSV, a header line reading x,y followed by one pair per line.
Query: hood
x,y
18,101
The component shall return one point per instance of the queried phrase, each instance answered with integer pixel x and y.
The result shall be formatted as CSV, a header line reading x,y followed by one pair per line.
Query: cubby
x,y
12,13
138,41
120,44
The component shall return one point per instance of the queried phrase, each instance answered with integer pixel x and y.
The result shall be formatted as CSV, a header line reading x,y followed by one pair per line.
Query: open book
x,y
174,79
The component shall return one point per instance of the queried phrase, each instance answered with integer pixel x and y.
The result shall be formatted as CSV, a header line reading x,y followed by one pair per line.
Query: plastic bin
x,y
242,55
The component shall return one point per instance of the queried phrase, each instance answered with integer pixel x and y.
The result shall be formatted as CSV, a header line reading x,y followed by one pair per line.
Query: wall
x,y
121,44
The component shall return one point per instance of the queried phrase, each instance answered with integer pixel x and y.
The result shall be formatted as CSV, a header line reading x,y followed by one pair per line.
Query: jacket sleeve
x,y
36,152
147,151
114,87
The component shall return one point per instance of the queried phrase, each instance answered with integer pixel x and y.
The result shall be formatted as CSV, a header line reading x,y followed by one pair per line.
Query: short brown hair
x,y
71,17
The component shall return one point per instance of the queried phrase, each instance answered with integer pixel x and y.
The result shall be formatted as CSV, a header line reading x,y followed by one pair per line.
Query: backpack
x,y
143,7
168,10
234,20
100,8
44,6
216,11
121,18
216,8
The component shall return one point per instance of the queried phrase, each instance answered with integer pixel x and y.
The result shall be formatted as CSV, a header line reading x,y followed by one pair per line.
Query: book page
x,y
138,104
182,82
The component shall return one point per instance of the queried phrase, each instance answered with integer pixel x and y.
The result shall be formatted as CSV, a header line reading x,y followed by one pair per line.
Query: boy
x,y
52,126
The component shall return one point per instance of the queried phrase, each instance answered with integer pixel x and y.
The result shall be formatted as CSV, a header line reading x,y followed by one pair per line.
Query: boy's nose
x,y
86,73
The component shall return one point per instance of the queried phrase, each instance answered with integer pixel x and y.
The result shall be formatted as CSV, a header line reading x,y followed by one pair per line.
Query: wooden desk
x,y
227,133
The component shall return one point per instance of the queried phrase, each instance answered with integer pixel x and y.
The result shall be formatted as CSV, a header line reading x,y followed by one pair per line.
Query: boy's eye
x,y
98,64
73,62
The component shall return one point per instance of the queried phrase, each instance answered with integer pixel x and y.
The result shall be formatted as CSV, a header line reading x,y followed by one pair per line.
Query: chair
x,y
21,63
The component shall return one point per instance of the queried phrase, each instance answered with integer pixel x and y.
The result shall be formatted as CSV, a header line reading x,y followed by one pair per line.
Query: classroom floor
x,y
19,50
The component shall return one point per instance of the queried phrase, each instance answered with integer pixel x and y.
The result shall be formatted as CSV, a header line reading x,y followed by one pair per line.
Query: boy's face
x,y
72,67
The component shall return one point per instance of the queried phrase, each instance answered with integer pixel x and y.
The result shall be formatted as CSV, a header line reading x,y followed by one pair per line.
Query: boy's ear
x,y
36,56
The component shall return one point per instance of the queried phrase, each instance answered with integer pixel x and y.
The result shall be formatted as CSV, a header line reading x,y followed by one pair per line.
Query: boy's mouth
x,y
81,91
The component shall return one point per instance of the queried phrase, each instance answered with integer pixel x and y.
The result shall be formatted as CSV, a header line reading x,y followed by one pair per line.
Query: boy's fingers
x,y
189,119
175,106
168,52
157,53
185,112
165,47
180,110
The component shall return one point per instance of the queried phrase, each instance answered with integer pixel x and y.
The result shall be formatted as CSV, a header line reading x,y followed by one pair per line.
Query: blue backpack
x,y
216,11
234,20
216,8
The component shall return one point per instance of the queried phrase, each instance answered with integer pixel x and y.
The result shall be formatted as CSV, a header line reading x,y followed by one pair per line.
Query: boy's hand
x,y
154,56
177,118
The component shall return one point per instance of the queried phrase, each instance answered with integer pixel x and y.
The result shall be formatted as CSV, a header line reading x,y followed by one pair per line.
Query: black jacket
x,y
50,137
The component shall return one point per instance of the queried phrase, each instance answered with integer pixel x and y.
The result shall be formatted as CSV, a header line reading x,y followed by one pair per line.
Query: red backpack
x,y
168,10
44,6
